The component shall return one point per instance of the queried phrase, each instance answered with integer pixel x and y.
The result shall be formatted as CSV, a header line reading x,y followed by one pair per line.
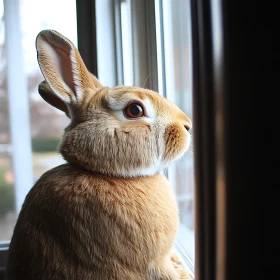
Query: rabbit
x,y
108,212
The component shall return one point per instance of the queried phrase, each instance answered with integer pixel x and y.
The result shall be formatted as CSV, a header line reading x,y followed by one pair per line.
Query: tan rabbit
x,y
107,213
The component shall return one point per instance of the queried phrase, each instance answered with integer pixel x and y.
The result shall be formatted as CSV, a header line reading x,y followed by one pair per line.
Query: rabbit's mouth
x,y
186,148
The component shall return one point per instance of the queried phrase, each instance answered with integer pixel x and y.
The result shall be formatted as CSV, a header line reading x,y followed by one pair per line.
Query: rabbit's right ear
x,y
63,67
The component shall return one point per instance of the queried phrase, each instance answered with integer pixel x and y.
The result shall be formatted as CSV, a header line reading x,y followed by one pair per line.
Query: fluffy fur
x,y
108,213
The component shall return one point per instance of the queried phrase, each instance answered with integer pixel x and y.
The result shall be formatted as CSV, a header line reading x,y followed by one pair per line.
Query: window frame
x,y
4,247
225,74
86,31
166,52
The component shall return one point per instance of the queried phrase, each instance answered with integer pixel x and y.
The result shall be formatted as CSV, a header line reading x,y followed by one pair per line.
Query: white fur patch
x,y
148,171
150,110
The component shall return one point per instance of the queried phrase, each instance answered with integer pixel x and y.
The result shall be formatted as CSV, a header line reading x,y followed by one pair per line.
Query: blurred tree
x,y
4,114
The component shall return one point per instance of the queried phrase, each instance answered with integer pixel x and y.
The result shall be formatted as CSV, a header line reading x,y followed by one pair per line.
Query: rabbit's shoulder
x,y
71,184
71,194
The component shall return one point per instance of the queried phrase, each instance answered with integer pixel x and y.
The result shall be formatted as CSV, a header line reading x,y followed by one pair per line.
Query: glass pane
x,y
176,61
174,71
46,122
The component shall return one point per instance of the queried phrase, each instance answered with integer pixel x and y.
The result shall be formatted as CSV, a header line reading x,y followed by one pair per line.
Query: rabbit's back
x,y
78,225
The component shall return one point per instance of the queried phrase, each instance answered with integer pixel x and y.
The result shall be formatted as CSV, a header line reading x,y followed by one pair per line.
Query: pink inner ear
x,y
63,63
62,67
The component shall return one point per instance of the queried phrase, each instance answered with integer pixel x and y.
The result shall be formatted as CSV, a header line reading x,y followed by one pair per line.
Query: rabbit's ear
x,y
48,95
63,67
96,81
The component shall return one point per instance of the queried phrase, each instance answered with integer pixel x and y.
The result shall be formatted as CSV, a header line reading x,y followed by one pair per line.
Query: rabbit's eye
x,y
133,111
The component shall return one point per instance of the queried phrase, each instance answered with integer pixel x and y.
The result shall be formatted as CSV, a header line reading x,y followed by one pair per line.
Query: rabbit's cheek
x,y
176,141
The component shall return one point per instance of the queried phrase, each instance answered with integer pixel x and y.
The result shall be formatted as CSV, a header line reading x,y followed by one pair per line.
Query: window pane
x,y
174,43
46,123
174,66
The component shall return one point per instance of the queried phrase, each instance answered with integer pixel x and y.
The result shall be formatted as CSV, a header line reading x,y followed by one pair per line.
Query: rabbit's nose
x,y
187,124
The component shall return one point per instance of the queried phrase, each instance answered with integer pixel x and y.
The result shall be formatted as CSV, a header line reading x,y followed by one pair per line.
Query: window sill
x,y
184,247
3,256
186,263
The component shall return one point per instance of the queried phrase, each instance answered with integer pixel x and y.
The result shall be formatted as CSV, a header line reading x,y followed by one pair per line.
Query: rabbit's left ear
x,y
48,95
63,67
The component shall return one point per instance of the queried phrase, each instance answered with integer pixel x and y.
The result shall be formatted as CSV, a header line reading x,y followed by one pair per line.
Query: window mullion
x,y
18,104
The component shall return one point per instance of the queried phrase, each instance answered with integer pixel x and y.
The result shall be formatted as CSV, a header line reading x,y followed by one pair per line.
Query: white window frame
x,y
18,104
185,238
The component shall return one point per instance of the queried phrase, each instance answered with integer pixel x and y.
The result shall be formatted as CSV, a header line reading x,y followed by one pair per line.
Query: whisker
x,y
146,81
187,155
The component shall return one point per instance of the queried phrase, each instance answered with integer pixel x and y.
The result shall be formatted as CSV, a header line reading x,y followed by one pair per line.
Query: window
x,y
174,55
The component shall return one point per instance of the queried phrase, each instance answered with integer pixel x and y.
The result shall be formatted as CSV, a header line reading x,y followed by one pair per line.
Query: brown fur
x,y
108,213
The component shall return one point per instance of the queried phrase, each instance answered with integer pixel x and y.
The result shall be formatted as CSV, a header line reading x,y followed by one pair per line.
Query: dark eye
x,y
133,111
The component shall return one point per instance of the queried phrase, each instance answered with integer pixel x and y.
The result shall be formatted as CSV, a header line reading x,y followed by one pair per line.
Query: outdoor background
x,y
46,122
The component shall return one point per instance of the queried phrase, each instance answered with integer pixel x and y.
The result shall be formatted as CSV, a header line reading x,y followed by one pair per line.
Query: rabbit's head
x,y
120,131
